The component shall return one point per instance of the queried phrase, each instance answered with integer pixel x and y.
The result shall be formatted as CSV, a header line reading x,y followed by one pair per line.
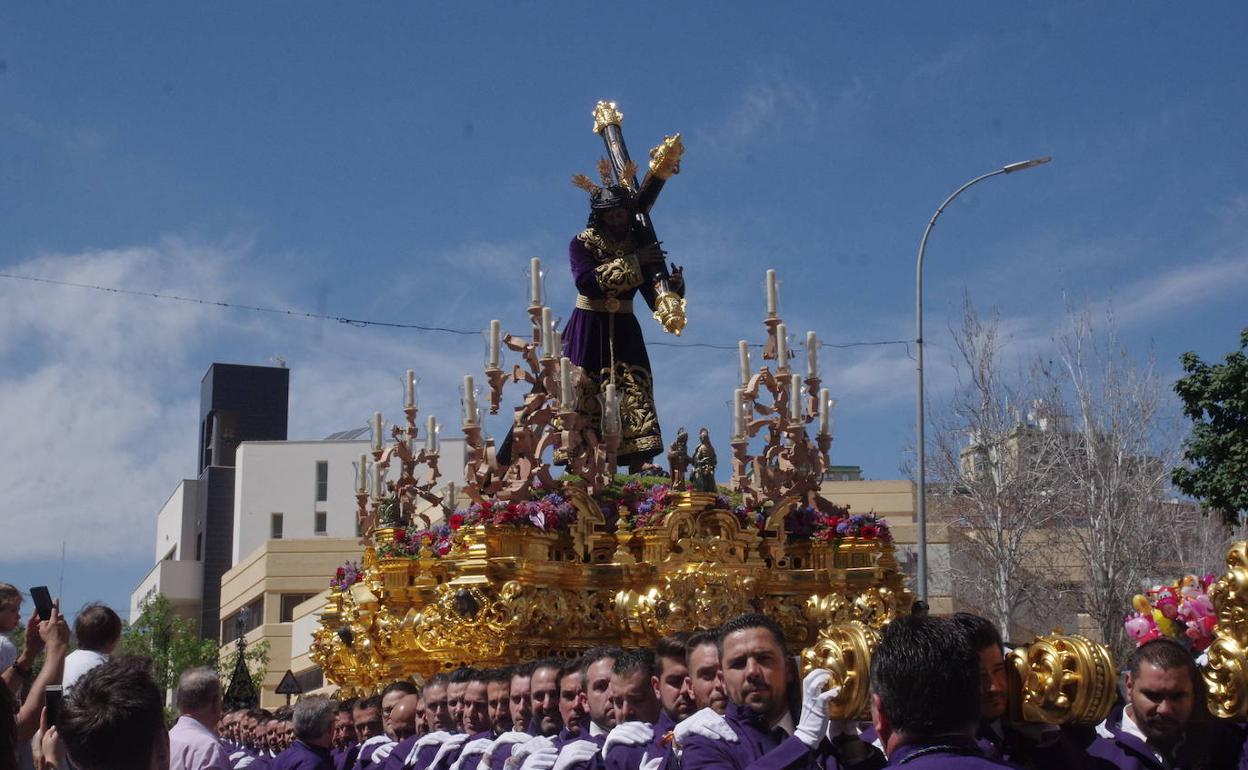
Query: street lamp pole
x,y
921,502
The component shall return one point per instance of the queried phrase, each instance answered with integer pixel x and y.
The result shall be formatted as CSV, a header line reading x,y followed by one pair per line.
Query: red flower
x,y
400,534
455,521
341,573
869,530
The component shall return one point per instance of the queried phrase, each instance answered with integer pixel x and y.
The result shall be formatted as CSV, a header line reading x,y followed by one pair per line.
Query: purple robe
x,y
302,756
946,752
1204,745
344,759
757,748
398,755
592,339
368,758
451,756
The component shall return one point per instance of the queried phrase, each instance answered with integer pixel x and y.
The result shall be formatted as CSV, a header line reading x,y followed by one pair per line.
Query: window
x,y
252,615
322,481
275,526
322,523
289,601
199,546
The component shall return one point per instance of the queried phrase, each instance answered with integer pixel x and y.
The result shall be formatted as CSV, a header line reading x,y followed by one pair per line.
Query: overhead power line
x,y
362,322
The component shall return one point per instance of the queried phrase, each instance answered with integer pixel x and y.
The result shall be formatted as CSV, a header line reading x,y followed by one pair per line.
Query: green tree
x,y
170,640
1215,397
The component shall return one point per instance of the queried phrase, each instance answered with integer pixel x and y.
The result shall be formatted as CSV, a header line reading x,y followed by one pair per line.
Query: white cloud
x,y
773,99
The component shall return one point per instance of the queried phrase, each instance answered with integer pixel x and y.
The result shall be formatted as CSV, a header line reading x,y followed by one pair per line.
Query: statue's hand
x,y
651,254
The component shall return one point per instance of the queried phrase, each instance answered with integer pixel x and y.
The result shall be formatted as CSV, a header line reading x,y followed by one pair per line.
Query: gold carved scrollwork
x,y
1061,680
619,274
845,651
699,596
875,606
469,620
1226,673
665,158
606,114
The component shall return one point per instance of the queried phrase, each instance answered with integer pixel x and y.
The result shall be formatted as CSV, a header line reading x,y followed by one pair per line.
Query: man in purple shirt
x,y
475,721
706,680
925,684
403,725
519,708
760,731
498,689
345,746
440,723
1155,730
546,724
313,720
375,745
193,742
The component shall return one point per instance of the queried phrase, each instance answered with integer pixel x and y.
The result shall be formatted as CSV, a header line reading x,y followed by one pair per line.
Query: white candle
x,y
744,350
379,480
610,411
377,426
738,414
812,355
782,347
548,330
496,336
470,401
409,389
431,434
535,282
795,398
773,296
557,337
361,474
825,411
565,383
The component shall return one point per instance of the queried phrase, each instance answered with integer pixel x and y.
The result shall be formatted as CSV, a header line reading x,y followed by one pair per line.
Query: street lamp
x,y
921,507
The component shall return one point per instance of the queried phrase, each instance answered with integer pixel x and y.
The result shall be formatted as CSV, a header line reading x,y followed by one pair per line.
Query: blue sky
x,y
401,162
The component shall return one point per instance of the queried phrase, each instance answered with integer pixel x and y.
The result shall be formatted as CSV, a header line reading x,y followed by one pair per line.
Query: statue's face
x,y
616,220
704,435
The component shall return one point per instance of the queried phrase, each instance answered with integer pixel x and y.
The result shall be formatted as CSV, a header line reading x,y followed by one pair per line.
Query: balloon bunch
x,y
1180,611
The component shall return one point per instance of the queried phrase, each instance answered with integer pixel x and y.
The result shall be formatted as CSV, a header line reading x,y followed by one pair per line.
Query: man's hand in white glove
x,y
574,752
521,750
813,723
542,759
504,743
628,734
448,746
471,749
707,723
437,736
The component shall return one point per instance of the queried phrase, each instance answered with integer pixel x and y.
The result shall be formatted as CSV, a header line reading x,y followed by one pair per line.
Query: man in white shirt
x,y
97,630
193,742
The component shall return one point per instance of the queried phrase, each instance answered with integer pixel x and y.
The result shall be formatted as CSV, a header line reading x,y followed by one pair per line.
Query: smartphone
x,y
52,702
43,601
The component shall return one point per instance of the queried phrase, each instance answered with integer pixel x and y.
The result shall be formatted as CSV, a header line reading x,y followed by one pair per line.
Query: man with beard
x,y
1154,731
706,681
375,745
520,710
594,671
498,689
762,732
546,722
478,733
638,709
439,720
345,746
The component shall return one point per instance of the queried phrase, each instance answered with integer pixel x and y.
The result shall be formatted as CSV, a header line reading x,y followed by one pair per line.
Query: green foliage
x,y
170,640
257,659
1215,397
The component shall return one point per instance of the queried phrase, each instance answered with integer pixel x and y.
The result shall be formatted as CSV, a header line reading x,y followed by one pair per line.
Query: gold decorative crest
x,y
1061,679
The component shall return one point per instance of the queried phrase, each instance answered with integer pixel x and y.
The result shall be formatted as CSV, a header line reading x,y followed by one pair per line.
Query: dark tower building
x,y
237,403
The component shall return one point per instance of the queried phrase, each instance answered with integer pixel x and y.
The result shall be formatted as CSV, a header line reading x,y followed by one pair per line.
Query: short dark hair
x,y
283,714
346,706
96,627
114,718
980,631
371,702
640,659
747,621
258,714
673,646
570,667
700,638
496,675
1166,655
524,669
551,662
404,686
596,654
439,679
464,674
926,673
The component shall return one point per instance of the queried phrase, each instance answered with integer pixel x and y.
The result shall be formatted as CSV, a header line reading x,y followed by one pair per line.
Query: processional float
x,y
539,564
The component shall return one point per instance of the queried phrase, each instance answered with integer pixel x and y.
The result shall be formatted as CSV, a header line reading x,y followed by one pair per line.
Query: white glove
x,y
814,720
651,764
470,749
504,742
542,759
521,750
707,723
574,752
628,734
437,736
450,744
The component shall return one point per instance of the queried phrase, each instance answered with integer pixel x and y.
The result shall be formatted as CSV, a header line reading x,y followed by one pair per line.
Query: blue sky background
x,y
401,162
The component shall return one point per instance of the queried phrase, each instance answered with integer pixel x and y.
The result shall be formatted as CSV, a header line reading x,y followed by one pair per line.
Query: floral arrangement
x,y
346,576
1180,611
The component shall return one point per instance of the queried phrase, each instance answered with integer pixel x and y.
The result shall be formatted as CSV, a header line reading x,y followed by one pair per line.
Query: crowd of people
x,y
724,698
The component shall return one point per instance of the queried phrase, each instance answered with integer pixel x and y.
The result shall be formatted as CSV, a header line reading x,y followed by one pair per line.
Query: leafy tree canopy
x,y
1215,397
